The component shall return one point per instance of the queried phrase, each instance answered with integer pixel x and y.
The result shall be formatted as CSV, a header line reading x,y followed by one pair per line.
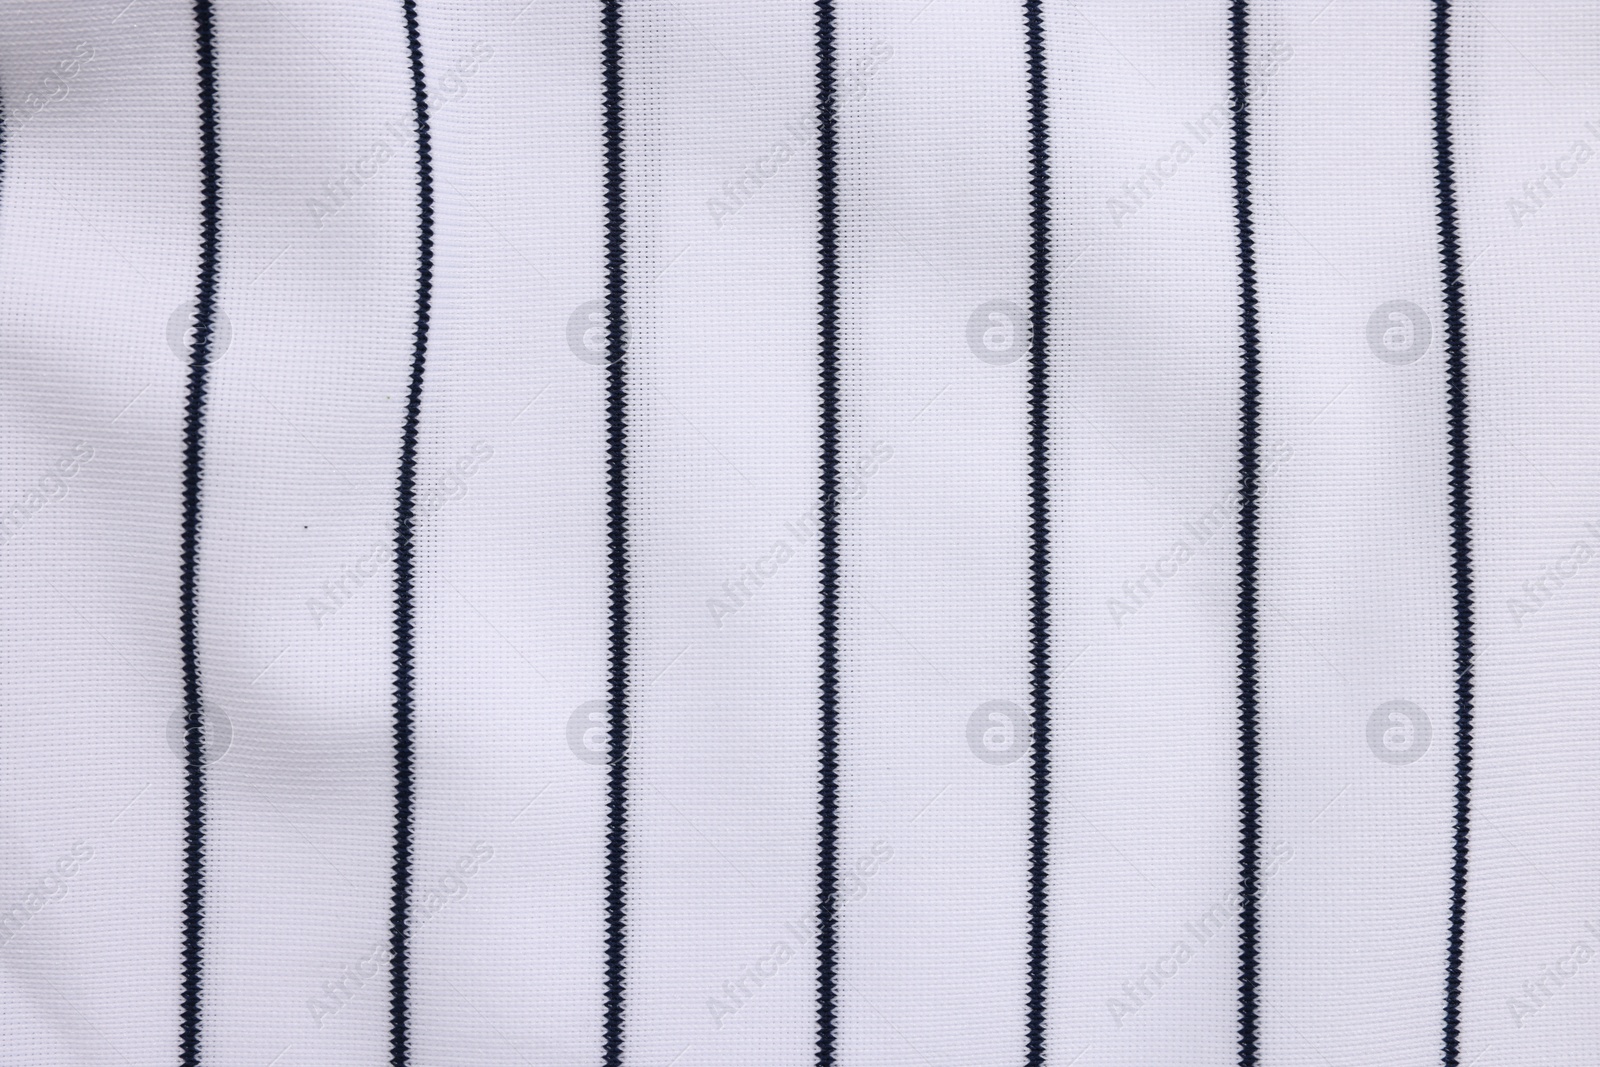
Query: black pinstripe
x,y
617,528
828,366
1249,510
1460,518
405,576
1039,530
188,553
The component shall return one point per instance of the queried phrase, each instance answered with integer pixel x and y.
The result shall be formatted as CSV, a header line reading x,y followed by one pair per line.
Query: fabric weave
x,y
831,533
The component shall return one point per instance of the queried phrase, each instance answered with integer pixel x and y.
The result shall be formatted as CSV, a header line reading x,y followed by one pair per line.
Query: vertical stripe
x,y
828,665
617,529
193,448
1249,508
1039,523
1460,516
399,912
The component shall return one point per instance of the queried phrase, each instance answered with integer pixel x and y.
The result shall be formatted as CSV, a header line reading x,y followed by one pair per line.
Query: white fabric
x,y
100,230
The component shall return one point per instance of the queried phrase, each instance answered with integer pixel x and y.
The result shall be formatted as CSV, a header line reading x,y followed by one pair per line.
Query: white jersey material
x,y
811,533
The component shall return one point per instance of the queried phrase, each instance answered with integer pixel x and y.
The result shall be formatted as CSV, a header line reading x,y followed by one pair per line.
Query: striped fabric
x,y
832,533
